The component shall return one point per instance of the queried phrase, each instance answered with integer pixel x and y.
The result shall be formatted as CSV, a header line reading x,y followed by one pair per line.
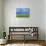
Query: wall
x,y
45,19
37,18
0,18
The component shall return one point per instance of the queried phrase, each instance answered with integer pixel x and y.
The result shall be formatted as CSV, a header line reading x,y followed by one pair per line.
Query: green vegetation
x,y
22,15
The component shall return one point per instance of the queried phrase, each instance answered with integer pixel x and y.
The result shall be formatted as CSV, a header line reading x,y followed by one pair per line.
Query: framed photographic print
x,y
22,12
